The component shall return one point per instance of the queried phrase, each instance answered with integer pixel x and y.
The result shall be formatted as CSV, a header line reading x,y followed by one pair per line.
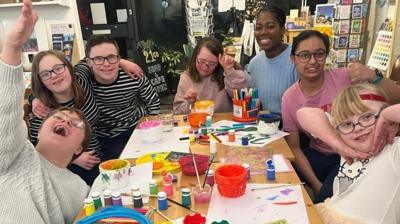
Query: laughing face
x,y
105,73
60,80
268,32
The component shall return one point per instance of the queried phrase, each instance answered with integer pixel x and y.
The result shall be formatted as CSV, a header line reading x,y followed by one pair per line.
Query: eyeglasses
x,y
205,63
57,70
305,56
75,122
365,120
99,60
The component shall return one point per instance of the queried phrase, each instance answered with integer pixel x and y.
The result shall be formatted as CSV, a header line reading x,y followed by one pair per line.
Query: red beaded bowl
x,y
187,165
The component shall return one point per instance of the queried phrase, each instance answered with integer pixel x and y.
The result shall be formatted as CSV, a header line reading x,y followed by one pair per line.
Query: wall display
x,y
324,14
381,52
199,19
344,26
343,12
355,41
151,63
356,26
352,54
357,11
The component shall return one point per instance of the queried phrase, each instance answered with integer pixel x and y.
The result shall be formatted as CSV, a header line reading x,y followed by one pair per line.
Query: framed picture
x,y
356,26
357,1
344,26
352,54
341,55
344,11
357,11
324,14
341,41
355,41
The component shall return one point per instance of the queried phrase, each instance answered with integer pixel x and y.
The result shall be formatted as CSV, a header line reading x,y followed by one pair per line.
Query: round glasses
x,y
305,56
365,120
205,63
57,70
99,60
75,122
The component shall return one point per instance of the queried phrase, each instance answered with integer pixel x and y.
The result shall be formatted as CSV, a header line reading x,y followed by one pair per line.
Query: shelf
x,y
63,3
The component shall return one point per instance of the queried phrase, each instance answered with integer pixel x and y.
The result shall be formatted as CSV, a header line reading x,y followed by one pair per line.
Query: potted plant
x,y
171,60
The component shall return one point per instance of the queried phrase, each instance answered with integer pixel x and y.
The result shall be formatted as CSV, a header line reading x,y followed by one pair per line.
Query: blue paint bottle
x,y
245,140
270,170
186,199
162,201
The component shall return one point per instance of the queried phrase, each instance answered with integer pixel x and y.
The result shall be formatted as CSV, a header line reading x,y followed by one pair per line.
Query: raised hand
x,y
227,62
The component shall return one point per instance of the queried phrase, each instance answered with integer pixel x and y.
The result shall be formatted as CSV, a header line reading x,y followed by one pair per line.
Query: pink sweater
x,y
208,90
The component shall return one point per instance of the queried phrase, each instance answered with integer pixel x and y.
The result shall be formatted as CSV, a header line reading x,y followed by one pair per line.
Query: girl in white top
x,y
364,191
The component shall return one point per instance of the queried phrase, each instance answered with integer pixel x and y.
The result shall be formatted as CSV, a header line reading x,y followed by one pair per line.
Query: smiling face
x,y
105,73
313,68
58,84
268,32
206,62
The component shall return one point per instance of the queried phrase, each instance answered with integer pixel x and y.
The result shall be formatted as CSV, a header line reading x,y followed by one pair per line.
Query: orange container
x,y
231,180
240,112
197,118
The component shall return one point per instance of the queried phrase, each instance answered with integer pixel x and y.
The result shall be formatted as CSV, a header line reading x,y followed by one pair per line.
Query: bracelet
x,y
378,77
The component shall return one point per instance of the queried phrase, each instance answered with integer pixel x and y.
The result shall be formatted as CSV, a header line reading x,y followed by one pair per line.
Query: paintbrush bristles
x,y
162,215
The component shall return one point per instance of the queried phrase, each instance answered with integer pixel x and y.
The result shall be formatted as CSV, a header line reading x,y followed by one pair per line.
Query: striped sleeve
x,y
149,96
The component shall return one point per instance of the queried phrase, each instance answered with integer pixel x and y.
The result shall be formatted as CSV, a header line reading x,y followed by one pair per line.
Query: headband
x,y
371,96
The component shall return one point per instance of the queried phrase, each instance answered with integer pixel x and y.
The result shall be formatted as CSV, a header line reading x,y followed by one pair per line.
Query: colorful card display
x,y
380,54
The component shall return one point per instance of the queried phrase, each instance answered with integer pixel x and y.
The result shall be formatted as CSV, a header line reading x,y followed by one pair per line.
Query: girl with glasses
x,y
55,84
35,185
211,75
366,190
315,161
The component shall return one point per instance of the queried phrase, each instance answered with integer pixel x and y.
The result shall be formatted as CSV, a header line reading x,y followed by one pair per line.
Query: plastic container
x,y
151,130
202,195
268,124
204,106
187,166
231,180
197,118
194,219
241,114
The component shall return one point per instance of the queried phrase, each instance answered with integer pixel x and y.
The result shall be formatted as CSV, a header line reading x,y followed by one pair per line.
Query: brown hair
x,y
215,47
95,40
349,103
45,95
87,128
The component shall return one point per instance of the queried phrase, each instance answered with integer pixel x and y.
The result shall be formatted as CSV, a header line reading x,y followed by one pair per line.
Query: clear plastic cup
x,y
167,119
202,195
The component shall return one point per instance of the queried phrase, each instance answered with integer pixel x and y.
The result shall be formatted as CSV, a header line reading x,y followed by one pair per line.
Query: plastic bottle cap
x,y
95,194
185,190
246,165
88,200
135,188
106,192
153,181
137,194
231,131
116,194
162,194
210,172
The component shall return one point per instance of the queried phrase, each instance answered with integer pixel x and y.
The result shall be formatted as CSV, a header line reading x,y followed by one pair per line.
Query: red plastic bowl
x,y
187,166
231,180
196,119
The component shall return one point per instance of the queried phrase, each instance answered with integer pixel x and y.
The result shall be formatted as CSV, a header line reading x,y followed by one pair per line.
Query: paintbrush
x,y
162,215
195,168
183,206
216,137
208,168
277,186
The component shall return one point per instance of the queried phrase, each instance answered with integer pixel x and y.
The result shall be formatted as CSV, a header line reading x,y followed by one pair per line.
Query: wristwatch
x,y
378,77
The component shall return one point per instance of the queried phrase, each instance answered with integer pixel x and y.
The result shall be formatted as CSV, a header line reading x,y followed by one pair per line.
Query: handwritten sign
x,y
151,63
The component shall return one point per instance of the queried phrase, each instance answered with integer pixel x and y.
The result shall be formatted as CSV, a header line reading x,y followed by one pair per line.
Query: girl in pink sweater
x,y
211,75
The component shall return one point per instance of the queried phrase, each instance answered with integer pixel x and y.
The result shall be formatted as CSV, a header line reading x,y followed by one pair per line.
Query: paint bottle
x,y
107,198
153,187
167,184
192,139
245,140
204,131
208,121
210,178
97,200
135,188
213,147
89,206
186,199
185,131
137,199
162,201
116,198
270,170
231,135
247,167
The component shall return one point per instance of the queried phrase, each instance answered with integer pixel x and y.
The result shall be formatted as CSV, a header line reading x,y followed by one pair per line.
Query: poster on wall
x,y
324,14
62,38
151,63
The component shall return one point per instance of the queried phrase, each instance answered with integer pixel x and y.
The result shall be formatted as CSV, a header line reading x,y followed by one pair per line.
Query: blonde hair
x,y
349,103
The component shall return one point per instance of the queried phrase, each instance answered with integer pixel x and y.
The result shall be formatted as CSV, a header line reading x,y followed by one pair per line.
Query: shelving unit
x,y
64,3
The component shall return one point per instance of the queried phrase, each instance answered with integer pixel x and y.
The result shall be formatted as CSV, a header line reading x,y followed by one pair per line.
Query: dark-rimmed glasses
x,y
205,63
365,120
305,56
57,70
75,122
99,60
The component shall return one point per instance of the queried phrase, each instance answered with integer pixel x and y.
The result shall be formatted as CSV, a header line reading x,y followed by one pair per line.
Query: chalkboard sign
x,y
150,59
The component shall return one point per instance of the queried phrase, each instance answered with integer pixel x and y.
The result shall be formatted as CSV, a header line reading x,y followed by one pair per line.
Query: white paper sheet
x,y
142,174
137,147
98,13
225,5
259,207
239,134
281,164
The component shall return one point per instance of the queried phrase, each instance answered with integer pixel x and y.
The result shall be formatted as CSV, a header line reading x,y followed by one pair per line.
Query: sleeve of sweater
x,y
11,114
150,97
181,105
236,79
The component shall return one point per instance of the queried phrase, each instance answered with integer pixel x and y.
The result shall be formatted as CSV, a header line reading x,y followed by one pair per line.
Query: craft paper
x,y
225,5
142,174
259,207
137,147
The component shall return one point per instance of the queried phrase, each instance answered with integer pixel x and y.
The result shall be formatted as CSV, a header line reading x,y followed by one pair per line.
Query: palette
x,y
380,54
160,162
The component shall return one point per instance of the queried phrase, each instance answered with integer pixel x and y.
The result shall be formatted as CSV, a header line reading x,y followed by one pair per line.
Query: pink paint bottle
x,y
167,184
210,178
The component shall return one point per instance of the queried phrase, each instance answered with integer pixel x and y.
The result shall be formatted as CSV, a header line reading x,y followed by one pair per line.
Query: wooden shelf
x,y
63,3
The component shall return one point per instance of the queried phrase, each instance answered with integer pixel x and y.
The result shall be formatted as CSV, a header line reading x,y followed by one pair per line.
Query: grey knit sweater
x,y
32,190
